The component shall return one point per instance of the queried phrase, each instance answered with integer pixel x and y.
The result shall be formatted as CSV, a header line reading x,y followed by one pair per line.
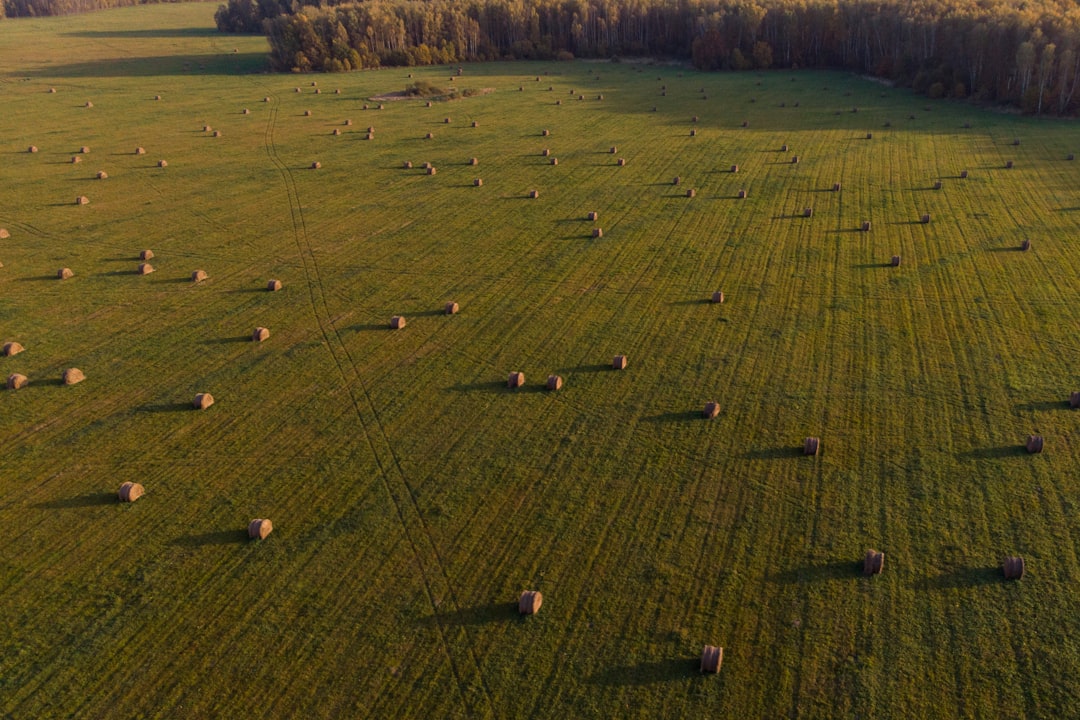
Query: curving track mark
x,y
432,571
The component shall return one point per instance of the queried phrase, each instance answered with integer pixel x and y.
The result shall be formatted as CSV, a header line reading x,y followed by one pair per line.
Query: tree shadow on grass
x,y
477,615
660,671
94,499
837,570
166,407
960,578
675,417
993,453
219,537
774,453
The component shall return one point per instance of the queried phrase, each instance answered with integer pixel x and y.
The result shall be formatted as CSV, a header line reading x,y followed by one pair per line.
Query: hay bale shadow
x,y
493,386
45,382
117,273
649,673
228,340
94,499
994,453
477,615
219,537
838,570
1044,405
166,407
868,266
696,301
369,327
38,277
585,369
774,453
1005,249
675,417
961,578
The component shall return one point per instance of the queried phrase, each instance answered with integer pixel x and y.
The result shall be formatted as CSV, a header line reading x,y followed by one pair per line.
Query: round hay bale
x,y
594,216
873,562
273,285
784,148
1009,164
811,445
259,528
146,269
554,382
599,97
866,226
337,91
534,194
1034,444
4,234
318,91
266,99
316,165
431,171
296,89
691,193
734,168
369,136
348,123
337,131
580,97
427,166
925,219
619,363
1074,398
478,182
407,165
869,136
741,194
32,149
808,212
14,348
64,274
397,322
451,308
446,121
963,174
895,262
967,126
90,104
621,162
613,150
746,123
1013,567
140,151
475,123
71,376
146,255
937,185
558,102
380,106
206,128
693,132
16,381
1070,156
130,492
888,123
75,159
711,410
203,401
245,111
718,297
711,659
1016,141
545,152
694,119
676,180
554,161
474,161
102,175
82,200
427,104
795,160
84,150
307,113
429,136
1025,245
260,334
515,380
52,90
529,602
365,106
217,133
836,187
598,232
198,276
162,163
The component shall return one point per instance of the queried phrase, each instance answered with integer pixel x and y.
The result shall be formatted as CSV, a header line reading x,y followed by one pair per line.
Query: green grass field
x,y
414,496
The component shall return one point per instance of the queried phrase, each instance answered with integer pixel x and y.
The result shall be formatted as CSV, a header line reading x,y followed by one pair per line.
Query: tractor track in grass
x,y
389,470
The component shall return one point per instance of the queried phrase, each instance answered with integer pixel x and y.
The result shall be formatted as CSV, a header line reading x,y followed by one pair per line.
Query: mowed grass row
x,y
414,496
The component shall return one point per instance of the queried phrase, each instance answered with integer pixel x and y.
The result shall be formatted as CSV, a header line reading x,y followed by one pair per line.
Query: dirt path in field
x,y
456,641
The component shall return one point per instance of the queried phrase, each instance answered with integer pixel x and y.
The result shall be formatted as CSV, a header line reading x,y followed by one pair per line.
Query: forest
x,y
42,8
1025,54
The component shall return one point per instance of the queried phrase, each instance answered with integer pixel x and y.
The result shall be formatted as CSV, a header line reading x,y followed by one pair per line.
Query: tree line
x,y
997,51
